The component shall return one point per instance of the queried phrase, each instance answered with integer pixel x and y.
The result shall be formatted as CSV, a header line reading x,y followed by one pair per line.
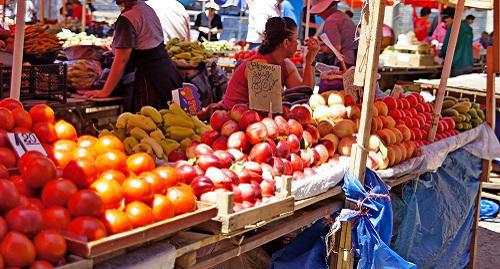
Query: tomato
x,y
11,103
65,145
41,265
182,199
111,160
22,118
50,246
58,192
23,161
88,227
4,172
85,203
136,189
45,132
162,208
108,142
81,171
38,171
1,262
24,201
84,153
3,228
4,140
65,130
36,204
8,157
140,162
114,175
116,221
56,218
21,186
168,174
17,250
61,158
86,141
9,195
6,119
157,183
20,130
110,191
26,220
140,214
42,113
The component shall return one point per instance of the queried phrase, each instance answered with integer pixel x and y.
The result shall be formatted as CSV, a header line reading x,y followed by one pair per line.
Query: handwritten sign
x,y
22,143
264,87
188,98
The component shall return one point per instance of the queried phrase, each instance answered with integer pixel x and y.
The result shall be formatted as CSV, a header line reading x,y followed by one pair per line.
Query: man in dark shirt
x,y
209,23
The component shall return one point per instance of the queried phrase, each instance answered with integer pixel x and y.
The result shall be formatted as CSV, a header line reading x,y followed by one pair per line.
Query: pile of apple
x,y
245,153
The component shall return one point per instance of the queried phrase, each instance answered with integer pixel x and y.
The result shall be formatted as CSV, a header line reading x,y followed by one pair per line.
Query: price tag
x,y
397,91
22,143
264,87
188,98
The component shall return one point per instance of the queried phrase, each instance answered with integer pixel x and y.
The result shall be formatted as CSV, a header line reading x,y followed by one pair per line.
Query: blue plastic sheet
x,y
372,231
438,213
488,208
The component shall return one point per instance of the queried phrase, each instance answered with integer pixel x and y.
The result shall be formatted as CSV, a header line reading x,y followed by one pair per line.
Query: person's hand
x,y
94,94
313,47
214,30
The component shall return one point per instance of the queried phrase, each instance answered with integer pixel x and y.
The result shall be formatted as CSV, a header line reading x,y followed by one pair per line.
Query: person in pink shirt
x,y
279,44
440,32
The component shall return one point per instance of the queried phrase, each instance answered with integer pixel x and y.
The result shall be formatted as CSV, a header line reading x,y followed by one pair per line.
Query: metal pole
x,y
452,43
84,13
17,59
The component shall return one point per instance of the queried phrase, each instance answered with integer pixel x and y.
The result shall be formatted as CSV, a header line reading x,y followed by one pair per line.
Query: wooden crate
x,y
75,262
139,236
231,221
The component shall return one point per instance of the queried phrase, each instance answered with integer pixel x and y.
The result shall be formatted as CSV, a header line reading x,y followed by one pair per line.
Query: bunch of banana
x,y
83,73
158,132
467,115
191,53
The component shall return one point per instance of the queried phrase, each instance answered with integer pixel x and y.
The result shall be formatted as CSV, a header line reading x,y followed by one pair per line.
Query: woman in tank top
x,y
279,44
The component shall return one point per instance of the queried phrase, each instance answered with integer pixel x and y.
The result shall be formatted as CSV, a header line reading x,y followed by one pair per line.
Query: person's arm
x,y
198,27
308,75
333,33
219,27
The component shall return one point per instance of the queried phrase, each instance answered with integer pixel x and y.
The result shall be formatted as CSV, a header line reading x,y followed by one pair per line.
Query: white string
x,y
358,26
328,246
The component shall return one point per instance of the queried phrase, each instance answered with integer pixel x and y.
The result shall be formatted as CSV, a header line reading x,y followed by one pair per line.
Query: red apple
x,y
253,167
283,127
307,157
297,164
256,133
288,168
295,128
199,171
323,153
294,143
237,111
390,102
238,156
225,157
330,147
261,153
271,128
236,195
247,118
231,175
229,127
257,189
268,188
267,171
247,192
208,138
186,173
220,180
201,185
208,160
314,132
278,166
218,118
201,149
301,113
220,143
176,155
308,139
238,141
191,150
283,149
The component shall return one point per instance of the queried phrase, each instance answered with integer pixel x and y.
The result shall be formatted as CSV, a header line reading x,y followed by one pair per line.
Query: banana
x,y
157,135
104,132
120,133
177,120
138,133
195,138
143,122
176,109
157,149
197,122
153,113
129,143
204,129
169,146
143,147
164,111
179,133
185,143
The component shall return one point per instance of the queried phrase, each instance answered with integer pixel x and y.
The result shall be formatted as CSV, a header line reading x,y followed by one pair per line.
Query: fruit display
x,y
86,187
187,53
218,46
164,134
243,55
466,114
37,40
83,73
70,38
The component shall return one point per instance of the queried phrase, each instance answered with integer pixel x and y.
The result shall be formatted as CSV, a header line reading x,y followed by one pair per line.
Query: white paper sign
x,y
264,87
22,143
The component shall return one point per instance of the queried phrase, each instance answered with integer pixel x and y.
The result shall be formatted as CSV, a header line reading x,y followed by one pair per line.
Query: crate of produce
x,y
46,82
257,216
136,237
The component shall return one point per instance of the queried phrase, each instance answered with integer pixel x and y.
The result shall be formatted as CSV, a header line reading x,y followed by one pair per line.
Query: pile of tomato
x,y
242,55
86,187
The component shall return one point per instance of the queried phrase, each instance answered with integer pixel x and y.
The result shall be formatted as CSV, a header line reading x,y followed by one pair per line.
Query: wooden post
x,y
84,15
42,12
445,74
3,11
17,58
49,14
367,68
496,34
308,19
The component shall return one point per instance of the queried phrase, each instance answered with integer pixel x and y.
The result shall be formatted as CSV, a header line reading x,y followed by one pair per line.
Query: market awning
x,y
357,4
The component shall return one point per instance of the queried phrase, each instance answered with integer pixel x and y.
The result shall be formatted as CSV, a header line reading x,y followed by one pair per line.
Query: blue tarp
x,y
372,231
436,215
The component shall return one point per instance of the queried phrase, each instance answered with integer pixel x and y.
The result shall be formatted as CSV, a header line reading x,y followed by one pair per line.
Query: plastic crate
x,y
47,82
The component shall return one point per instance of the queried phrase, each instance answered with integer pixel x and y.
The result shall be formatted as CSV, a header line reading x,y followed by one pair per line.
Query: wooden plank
x,y
473,247
490,106
284,226
491,185
155,231
496,35
313,200
445,74
490,196
75,262
401,180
